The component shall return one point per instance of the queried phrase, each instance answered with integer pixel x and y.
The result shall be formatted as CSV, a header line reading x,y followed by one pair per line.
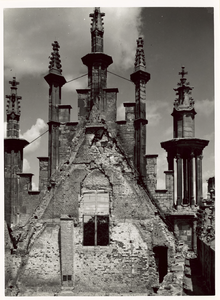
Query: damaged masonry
x,y
98,225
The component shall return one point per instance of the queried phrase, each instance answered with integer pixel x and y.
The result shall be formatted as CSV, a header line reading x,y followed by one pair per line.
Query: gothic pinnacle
x,y
97,20
97,30
140,58
13,110
55,62
13,103
183,92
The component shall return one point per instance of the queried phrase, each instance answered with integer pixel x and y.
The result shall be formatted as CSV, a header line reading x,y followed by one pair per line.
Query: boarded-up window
x,y
96,219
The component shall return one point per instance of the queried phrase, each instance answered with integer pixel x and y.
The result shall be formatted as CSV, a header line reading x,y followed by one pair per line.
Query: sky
x,y
173,36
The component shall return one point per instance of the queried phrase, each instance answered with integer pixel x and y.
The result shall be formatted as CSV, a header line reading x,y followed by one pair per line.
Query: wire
x,y
120,76
36,138
107,71
77,78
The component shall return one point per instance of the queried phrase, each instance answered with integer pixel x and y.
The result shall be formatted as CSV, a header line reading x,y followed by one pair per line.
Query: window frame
x,y
96,214
95,230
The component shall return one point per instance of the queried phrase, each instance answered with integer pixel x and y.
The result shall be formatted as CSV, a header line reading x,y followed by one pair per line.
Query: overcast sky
x,y
172,37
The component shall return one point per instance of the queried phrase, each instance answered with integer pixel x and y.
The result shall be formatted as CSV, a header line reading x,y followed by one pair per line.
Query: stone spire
x,y
183,93
140,77
13,110
55,80
97,30
140,58
55,62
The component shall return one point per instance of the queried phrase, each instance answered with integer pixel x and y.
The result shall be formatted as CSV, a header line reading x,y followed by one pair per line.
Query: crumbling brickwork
x,y
127,263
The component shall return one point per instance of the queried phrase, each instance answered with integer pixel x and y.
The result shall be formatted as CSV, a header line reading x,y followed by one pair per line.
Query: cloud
x,y
204,107
32,133
169,132
26,165
210,136
154,111
121,35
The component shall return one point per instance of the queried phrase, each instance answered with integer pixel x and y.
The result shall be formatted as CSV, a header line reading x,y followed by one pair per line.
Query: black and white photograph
x,y
109,148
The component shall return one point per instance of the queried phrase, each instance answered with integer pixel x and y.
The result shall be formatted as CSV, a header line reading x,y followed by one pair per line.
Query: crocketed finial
x,y
13,110
140,57
97,30
55,62
97,20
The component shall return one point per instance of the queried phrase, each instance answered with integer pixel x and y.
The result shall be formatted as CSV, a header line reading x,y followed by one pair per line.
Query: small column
x,y
179,179
185,181
191,189
198,163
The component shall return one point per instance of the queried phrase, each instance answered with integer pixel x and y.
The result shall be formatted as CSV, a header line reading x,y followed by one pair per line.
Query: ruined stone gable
x,y
97,166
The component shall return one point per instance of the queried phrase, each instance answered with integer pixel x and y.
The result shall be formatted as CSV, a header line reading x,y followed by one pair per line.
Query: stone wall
x,y
41,269
123,266
28,199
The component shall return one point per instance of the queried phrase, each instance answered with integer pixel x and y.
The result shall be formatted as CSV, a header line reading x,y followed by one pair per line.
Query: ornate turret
x,y
140,77
13,110
13,152
97,30
183,111
187,150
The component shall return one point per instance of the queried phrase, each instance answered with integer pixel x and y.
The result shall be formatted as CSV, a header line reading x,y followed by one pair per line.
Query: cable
x,y
119,76
36,138
77,78
107,71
